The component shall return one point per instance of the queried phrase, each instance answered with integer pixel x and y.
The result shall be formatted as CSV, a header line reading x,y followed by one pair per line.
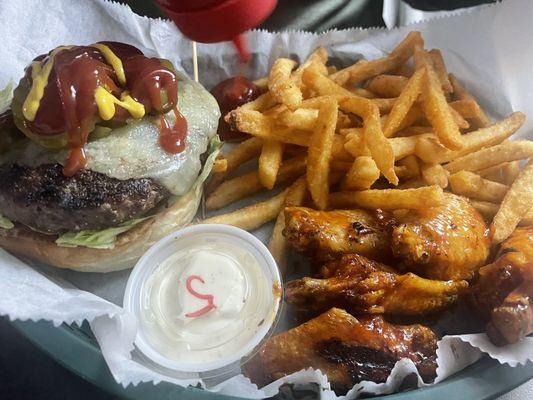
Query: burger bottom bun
x,y
129,247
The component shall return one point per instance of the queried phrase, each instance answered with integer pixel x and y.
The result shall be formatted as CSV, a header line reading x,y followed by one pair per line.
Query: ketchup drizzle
x,y
209,297
172,138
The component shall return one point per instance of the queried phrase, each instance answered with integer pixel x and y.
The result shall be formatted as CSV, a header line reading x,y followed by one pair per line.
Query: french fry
x,y
431,151
439,113
356,146
338,152
380,148
245,185
481,120
434,174
471,185
362,174
278,245
404,70
362,92
490,156
363,70
283,89
269,163
262,103
440,69
238,155
319,154
318,57
411,167
385,105
413,130
489,210
262,82
251,217
389,199
302,118
515,205
468,108
387,85
220,165
405,146
322,84
504,173
459,120
403,103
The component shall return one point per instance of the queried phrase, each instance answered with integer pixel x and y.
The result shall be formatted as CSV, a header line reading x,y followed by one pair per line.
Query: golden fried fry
x,y
490,156
269,163
220,165
405,146
515,205
283,89
440,69
251,217
387,85
505,173
481,120
278,245
262,82
389,199
248,184
471,185
319,154
435,174
403,103
411,167
302,118
362,174
431,151
468,108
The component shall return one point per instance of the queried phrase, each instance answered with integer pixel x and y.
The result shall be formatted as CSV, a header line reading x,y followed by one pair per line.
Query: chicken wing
x,y
348,350
446,242
326,235
504,292
360,285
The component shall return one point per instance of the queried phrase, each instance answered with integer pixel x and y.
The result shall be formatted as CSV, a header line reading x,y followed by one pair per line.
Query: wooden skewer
x,y
195,61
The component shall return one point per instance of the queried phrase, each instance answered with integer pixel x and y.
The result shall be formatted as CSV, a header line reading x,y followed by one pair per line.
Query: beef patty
x,y
46,200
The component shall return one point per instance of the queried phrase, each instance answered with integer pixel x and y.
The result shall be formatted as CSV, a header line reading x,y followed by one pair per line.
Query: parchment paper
x,y
488,49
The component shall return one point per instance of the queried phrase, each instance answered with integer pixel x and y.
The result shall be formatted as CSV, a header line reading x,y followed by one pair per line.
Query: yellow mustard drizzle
x,y
39,76
105,102
112,60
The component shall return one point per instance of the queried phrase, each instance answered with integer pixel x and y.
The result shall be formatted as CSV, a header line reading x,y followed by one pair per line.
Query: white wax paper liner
x,y
487,49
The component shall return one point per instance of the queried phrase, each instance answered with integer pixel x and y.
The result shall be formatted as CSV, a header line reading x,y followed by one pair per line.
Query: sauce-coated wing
x,y
360,285
326,235
447,242
504,292
346,349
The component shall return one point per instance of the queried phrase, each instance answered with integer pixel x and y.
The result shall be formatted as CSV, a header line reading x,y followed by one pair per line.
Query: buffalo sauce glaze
x,y
74,85
230,94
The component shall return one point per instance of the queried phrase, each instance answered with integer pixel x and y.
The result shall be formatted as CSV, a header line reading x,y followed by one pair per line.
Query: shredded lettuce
x,y
102,239
6,95
106,238
5,223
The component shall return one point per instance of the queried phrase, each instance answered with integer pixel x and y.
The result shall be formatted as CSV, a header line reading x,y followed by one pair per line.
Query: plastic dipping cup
x,y
205,298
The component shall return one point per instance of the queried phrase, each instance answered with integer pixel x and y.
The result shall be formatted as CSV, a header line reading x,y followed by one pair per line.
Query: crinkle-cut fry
x,y
440,69
380,148
363,69
387,85
412,166
245,185
469,184
361,175
481,120
438,112
504,173
267,127
270,162
238,155
389,199
515,205
404,103
434,174
467,108
220,165
283,89
251,217
277,245
432,151
490,156
488,211
319,154
301,118
405,146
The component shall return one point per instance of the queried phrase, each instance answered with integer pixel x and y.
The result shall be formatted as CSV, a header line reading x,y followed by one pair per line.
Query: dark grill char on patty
x,y
47,201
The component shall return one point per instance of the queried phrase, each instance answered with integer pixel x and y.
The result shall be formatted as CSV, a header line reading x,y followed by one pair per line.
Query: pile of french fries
x,y
391,133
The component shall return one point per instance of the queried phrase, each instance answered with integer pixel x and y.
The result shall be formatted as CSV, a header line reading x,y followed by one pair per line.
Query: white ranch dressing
x,y
242,300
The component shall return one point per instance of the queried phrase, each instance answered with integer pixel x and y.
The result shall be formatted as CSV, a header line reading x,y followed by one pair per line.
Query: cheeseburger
x,y
102,152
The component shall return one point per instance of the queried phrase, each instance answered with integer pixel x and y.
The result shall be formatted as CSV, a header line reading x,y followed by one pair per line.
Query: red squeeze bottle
x,y
210,21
